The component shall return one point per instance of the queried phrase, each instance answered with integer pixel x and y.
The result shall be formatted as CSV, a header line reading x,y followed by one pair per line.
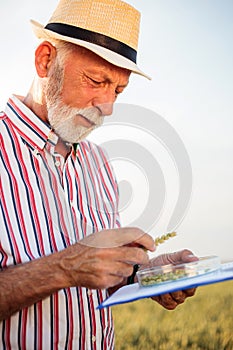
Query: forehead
x,y
88,60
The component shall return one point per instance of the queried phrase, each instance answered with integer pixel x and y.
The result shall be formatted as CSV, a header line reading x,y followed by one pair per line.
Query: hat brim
x,y
106,54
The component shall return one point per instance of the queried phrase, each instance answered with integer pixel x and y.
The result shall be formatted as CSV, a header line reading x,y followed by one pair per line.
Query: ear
x,y
44,56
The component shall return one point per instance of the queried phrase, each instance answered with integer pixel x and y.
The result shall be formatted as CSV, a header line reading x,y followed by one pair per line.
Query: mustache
x,y
92,114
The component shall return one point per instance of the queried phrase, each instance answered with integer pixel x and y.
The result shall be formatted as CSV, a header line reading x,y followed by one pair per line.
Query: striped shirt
x,y
46,204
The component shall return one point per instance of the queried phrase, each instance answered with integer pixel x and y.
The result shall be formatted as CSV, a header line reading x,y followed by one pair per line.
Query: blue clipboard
x,y
135,292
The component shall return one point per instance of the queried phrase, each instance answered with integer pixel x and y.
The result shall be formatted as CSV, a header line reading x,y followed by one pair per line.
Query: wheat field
x,y
203,322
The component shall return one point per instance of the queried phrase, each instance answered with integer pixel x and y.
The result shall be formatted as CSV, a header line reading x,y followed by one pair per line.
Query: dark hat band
x,y
94,38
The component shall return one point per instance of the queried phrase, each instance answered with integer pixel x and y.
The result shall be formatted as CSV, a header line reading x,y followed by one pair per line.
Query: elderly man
x,y
61,246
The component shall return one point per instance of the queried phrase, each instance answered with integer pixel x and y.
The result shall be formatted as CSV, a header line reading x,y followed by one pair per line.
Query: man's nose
x,y
105,102
105,108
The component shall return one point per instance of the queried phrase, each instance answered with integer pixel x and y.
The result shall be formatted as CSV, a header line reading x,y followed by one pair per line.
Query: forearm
x,y
25,284
84,264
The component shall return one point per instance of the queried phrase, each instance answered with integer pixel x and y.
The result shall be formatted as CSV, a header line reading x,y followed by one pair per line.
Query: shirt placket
x,y
60,166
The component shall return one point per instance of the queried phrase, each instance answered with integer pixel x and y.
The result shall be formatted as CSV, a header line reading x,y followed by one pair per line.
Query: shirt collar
x,y
31,128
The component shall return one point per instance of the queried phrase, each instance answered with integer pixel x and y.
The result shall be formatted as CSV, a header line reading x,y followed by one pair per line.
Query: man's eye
x,y
95,82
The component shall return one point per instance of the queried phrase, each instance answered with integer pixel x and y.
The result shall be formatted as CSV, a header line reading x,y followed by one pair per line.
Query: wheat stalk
x,y
163,238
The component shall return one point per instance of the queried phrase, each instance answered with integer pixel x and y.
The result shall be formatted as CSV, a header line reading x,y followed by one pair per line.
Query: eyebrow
x,y
123,85
106,79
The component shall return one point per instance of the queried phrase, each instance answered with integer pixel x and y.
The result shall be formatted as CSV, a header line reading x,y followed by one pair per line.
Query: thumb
x,y
182,256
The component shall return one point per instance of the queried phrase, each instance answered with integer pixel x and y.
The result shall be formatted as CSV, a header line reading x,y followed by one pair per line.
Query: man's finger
x,y
190,292
166,301
179,296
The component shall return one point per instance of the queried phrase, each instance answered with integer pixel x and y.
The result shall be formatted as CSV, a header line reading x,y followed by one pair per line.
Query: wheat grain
x,y
163,238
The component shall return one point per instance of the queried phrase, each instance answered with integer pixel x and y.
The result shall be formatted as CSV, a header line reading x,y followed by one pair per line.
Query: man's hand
x,y
171,300
106,258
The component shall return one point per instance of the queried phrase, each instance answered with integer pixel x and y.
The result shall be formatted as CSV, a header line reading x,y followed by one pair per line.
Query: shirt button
x,y
35,152
57,163
93,339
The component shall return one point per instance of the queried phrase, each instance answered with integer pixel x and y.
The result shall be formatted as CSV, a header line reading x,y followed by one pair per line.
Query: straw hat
x,y
109,28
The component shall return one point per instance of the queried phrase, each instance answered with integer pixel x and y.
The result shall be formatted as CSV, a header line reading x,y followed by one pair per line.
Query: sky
x,y
186,47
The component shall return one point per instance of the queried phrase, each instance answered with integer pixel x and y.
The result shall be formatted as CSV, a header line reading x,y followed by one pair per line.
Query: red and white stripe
x,y
47,204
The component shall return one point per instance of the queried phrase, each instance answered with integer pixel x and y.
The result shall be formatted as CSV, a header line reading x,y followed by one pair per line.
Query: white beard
x,y
62,119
